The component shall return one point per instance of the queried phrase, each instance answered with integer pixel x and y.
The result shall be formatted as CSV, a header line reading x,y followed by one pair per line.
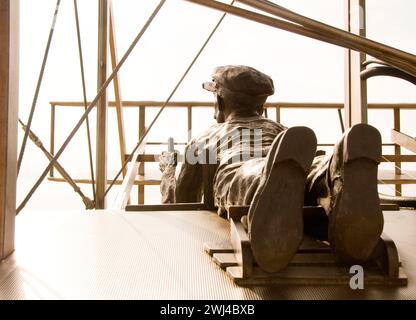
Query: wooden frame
x,y
9,89
101,149
117,87
355,94
313,264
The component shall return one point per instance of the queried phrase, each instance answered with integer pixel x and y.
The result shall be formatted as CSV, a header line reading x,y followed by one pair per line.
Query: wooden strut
x,y
117,88
89,204
316,30
102,107
91,106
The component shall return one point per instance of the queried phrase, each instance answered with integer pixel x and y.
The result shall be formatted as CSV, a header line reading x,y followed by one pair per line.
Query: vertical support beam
x,y
117,89
9,94
101,153
52,137
278,114
397,150
142,129
355,89
189,123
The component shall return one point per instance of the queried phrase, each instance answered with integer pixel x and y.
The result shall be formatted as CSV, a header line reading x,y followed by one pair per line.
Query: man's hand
x,y
168,160
167,164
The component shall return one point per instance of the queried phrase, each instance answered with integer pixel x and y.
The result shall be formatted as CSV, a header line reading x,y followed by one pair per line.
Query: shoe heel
x,y
362,141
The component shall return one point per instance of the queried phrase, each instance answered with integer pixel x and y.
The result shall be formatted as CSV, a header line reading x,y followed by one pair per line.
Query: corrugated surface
x,y
153,255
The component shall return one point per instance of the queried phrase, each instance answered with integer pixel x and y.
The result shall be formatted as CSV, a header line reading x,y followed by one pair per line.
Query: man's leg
x,y
346,186
317,193
275,223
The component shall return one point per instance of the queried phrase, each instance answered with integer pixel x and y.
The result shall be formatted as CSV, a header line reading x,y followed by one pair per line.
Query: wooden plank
x,y
9,95
390,177
355,94
221,247
101,149
225,260
403,140
117,89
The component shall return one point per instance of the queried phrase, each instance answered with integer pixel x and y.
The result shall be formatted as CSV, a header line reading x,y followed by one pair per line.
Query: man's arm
x,y
187,188
189,184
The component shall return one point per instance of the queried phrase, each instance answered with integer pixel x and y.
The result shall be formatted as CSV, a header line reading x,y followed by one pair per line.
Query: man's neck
x,y
236,115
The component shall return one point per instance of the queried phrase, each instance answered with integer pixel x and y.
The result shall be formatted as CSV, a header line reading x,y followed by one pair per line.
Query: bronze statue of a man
x,y
274,169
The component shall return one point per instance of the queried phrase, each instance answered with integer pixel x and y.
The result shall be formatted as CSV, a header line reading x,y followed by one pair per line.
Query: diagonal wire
x,y
38,85
92,105
166,102
84,92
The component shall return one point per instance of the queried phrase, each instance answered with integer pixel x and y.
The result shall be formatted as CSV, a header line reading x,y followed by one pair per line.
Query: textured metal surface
x,y
154,255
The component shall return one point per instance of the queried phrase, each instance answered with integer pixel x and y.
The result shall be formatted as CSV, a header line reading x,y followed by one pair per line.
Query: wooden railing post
x,y
277,114
52,137
141,171
397,150
189,123
117,88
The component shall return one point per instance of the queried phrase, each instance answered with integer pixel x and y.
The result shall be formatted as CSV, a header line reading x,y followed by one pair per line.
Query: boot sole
x,y
276,227
356,222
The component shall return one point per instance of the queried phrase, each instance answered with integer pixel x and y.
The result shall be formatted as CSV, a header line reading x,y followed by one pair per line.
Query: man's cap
x,y
240,79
